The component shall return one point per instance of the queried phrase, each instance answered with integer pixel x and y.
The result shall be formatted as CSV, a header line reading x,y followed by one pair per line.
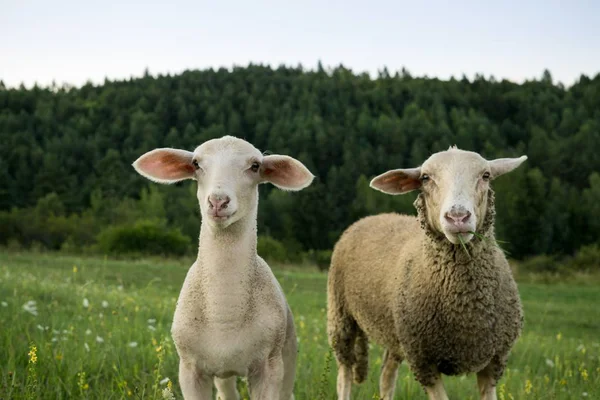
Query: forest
x,y
66,181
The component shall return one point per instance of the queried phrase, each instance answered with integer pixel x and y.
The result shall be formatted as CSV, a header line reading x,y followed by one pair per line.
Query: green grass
x,y
557,357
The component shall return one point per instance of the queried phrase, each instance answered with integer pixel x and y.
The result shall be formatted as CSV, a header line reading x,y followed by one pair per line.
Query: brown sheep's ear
x,y
166,165
501,166
398,181
285,172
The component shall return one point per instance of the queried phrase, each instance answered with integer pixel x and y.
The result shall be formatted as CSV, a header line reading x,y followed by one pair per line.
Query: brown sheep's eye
x,y
424,178
196,165
486,176
255,166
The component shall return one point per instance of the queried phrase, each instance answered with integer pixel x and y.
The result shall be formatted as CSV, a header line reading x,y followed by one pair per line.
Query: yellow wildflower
x,y
528,386
159,349
584,374
59,357
546,379
559,336
74,269
563,382
32,354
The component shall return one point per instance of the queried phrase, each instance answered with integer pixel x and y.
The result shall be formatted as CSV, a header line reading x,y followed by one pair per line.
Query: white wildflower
x,y
584,394
31,307
549,363
151,321
55,339
120,287
164,381
86,303
168,394
4,304
132,344
99,339
104,304
87,347
88,332
41,328
151,328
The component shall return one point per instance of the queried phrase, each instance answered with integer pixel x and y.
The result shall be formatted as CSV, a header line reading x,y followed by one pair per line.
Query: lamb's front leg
x,y
194,384
266,381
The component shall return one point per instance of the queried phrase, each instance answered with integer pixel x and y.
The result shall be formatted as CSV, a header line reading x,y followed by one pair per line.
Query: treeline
x,y
66,179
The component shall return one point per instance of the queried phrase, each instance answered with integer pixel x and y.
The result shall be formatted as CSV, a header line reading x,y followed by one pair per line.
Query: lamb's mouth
x,y
221,218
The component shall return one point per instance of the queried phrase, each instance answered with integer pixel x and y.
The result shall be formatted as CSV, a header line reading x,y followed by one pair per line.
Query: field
x,y
100,328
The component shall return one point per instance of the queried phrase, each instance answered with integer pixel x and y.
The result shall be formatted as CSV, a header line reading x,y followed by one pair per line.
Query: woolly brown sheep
x,y
407,283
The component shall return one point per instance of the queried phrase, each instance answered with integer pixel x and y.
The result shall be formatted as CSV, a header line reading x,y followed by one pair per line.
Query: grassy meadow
x,y
98,328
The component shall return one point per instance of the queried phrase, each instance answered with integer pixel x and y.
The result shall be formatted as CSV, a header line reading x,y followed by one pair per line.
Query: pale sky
x,y
76,41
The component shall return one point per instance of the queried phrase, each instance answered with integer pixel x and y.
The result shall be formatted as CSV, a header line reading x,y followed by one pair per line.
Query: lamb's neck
x,y
230,250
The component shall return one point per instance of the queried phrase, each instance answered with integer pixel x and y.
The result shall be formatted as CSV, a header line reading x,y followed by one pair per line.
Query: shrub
x,y
541,263
587,259
150,237
320,258
271,249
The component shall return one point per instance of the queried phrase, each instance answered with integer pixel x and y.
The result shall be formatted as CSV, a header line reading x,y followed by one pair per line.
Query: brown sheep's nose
x,y
458,216
218,201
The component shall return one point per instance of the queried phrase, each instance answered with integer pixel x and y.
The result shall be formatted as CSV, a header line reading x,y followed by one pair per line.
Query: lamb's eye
x,y
486,176
424,178
255,166
196,165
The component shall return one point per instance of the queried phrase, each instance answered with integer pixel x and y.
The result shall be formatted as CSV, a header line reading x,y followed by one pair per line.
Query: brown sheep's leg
x,y
389,375
344,382
488,377
436,391
431,379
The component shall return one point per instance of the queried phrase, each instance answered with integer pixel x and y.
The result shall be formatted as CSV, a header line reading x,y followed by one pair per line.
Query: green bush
x,y
541,263
587,259
271,249
320,258
150,237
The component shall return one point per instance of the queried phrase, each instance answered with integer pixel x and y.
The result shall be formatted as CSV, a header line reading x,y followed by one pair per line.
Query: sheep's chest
x,y
221,330
456,327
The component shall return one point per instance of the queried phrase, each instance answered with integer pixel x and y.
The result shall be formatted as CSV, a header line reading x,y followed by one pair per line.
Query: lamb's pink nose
x,y
458,216
217,201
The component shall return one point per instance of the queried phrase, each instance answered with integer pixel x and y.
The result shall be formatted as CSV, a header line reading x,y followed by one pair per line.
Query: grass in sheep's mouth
x,y
480,236
462,242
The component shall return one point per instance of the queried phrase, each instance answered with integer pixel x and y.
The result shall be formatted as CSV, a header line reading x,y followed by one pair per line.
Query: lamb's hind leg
x,y
226,389
194,384
289,354
389,375
267,380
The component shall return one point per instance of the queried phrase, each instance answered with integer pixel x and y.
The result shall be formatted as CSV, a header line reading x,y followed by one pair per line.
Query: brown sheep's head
x,y
454,185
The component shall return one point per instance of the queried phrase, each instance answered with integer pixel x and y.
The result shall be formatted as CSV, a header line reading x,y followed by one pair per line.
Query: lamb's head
x,y
228,171
454,185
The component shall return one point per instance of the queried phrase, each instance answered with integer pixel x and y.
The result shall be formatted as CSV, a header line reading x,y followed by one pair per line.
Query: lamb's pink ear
x,y
166,165
398,181
285,172
501,166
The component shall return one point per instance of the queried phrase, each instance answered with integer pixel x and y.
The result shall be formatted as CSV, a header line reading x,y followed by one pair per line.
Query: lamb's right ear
x,y
398,181
166,165
285,172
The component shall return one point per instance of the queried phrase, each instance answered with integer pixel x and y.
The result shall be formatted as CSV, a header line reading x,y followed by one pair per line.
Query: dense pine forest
x,y
66,180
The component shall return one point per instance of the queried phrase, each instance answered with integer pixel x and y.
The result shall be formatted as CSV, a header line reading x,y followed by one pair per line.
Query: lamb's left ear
x,y
285,172
166,165
501,166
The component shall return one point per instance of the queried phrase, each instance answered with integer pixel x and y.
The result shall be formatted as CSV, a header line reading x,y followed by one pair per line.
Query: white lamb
x,y
232,318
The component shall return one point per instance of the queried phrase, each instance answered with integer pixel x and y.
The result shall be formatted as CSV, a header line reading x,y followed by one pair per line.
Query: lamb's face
x,y
455,185
228,172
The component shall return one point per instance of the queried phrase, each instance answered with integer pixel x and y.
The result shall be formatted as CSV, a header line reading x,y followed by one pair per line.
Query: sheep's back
x,y
367,269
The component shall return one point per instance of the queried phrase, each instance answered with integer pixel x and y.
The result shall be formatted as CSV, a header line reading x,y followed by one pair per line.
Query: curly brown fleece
x,y
401,284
